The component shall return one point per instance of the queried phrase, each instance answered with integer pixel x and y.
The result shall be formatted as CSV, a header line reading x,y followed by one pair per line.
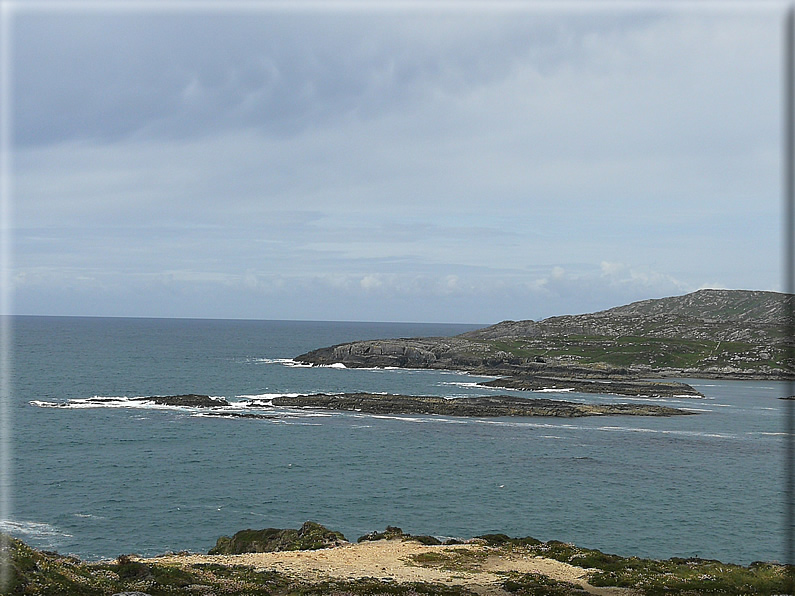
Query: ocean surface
x,y
100,480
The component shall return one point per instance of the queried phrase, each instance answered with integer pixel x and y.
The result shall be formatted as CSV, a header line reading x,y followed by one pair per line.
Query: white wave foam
x,y
88,516
463,384
30,528
282,361
683,433
402,418
268,396
111,402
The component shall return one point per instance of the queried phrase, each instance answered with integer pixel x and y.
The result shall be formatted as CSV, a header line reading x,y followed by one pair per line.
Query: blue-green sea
x,y
97,482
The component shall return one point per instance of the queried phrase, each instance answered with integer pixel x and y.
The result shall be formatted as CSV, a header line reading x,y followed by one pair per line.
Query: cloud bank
x,y
407,165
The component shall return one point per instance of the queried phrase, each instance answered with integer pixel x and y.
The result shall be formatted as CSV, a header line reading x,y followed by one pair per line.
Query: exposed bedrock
x,y
637,388
490,406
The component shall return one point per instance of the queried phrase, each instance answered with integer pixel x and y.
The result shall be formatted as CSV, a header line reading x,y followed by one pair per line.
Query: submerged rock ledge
x,y
489,406
627,387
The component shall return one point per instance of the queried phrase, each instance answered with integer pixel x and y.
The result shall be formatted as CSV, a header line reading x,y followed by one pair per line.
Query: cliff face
x,y
714,333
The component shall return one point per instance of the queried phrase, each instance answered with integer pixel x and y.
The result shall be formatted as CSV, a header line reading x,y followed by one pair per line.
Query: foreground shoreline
x,y
382,563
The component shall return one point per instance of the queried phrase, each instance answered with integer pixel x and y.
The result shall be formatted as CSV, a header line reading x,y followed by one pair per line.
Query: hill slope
x,y
716,315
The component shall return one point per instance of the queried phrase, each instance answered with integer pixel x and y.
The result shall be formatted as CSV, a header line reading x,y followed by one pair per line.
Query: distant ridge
x,y
717,315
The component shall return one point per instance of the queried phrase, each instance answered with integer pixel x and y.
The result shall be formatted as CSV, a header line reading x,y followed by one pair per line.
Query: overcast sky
x,y
446,163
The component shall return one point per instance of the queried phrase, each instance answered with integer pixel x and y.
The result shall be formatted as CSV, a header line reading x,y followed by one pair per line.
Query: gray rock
x,y
489,406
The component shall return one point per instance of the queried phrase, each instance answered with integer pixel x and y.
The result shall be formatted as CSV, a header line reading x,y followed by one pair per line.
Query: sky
x,y
425,162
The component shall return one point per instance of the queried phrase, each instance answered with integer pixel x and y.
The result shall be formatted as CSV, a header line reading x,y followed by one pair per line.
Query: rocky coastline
x,y
314,560
512,373
716,334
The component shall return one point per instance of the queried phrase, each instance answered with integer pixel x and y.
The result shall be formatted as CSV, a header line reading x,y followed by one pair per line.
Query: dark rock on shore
x,y
190,400
625,387
241,415
489,406
393,532
390,533
311,536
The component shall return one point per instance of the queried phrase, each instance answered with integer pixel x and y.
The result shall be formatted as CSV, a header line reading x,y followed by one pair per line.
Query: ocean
x,y
97,480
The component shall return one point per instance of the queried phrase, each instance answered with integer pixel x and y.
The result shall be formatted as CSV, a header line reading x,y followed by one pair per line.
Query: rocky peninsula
x,y
730,334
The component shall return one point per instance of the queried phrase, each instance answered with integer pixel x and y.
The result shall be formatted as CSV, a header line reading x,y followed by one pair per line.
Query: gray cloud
x,y
377,159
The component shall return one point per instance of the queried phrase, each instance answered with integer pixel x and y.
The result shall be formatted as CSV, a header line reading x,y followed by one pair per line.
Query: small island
x,y
389,404
488,406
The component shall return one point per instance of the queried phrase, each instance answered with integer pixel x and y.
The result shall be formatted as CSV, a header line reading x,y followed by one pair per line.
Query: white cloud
x,y
371,282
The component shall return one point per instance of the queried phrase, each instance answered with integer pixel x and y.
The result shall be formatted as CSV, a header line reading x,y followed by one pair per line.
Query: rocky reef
x,y
490,406
637,388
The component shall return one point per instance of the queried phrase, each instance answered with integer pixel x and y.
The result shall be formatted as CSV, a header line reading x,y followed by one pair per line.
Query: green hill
x,y
708,333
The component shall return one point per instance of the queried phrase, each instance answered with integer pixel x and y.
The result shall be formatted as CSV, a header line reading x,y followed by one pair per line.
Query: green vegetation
x,y
535,584
456,559
373,586
639,351
650,577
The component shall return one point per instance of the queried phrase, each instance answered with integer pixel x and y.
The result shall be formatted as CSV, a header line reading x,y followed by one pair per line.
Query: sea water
x,y
117,476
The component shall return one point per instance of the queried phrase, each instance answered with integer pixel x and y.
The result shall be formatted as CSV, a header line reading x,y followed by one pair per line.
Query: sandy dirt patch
x,y
474,566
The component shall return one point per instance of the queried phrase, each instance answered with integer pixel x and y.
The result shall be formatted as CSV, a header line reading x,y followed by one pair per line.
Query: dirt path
x,y
471,565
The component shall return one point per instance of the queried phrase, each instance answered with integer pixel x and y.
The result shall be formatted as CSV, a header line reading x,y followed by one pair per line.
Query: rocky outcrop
x,y
491,406
619,387
434,352
311,536
190,400
395,533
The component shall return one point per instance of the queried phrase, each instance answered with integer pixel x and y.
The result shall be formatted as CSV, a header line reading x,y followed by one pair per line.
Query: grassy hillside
x,y
709,331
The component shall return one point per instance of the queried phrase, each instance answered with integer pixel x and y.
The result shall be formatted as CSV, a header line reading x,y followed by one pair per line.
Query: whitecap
x,y
402,418
112,402
30,528
282,361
